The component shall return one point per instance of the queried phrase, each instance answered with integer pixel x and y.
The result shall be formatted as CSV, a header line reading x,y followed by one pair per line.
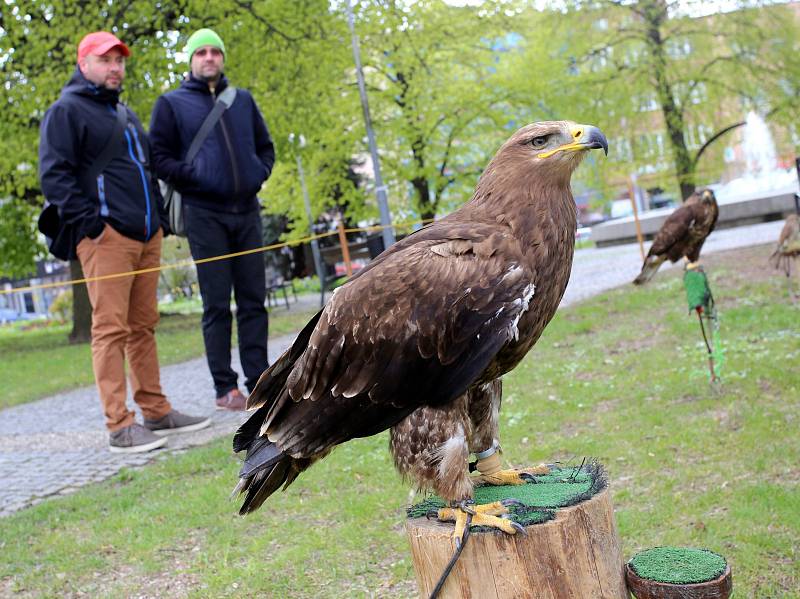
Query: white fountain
x,y
763,174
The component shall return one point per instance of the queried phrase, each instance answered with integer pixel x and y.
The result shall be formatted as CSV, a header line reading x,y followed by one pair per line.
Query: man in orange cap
x,y
94,166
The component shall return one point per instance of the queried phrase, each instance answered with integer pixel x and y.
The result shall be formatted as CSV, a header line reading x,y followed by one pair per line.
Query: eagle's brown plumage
x,y
788,247
416,340
682,234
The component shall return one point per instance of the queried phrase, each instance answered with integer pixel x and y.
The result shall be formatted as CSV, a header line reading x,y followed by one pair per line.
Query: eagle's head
x,y
549,149
707,197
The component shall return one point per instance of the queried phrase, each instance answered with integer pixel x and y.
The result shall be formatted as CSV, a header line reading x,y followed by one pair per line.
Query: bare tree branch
x,y
247,6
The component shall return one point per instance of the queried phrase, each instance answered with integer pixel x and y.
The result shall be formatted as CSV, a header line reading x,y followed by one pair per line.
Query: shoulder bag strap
x,y
223,101
111,147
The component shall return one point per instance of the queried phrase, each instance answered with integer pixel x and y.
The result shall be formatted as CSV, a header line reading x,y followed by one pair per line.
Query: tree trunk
x,y
422,189
655,14
81,308
575,555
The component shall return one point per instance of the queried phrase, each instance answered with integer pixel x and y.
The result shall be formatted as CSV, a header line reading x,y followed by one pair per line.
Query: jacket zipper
x,y
144,184
139,149
101,194
232,155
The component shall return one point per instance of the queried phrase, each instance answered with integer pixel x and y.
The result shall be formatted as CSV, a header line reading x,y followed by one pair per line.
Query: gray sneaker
x,y
134,439
175,422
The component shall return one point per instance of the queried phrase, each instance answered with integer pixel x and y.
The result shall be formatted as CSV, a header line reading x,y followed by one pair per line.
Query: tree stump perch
x,y
574,556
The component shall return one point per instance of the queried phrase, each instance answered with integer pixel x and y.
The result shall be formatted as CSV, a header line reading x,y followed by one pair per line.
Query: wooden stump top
x,y
575,555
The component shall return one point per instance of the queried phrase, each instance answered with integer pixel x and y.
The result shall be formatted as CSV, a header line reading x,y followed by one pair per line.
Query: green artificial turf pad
x,y
678,565
562,487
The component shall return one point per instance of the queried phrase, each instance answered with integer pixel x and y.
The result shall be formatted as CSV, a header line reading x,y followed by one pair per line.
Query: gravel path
x,y
54,446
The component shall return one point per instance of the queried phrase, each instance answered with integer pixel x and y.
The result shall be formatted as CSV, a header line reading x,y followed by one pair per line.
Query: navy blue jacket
x,y
74,132
234,160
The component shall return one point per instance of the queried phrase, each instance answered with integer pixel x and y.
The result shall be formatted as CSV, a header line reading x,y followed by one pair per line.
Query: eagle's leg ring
x,y
482,515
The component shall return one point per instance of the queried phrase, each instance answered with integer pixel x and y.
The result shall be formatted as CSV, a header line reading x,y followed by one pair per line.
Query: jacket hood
x,y
78,84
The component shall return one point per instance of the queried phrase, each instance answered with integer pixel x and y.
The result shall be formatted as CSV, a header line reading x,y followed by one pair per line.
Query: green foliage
x,y
38,48
446,86
18,244
61,308
178,281
659,80
438,106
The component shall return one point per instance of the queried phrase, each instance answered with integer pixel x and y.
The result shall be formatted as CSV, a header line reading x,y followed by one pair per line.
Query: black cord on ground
x,y
437,589
714,377
705,337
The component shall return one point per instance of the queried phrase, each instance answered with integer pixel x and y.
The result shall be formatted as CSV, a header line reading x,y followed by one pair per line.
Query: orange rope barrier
x,y
190,262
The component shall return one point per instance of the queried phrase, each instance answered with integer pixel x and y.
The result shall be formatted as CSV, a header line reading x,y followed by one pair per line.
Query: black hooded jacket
x,y
234,160
125,195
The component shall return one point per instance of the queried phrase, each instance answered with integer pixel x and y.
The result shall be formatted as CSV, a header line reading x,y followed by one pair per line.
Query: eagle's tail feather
x,y
264,471
649,268
776,260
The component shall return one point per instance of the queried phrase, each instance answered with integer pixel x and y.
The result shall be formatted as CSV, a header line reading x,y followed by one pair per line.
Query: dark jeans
x,y
210,234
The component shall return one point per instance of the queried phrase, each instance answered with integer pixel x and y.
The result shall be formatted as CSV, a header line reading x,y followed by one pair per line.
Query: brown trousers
x,y
124,318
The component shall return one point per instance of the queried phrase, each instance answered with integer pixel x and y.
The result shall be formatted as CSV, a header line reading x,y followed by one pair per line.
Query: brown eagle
x,y
417,341
682,234
788,247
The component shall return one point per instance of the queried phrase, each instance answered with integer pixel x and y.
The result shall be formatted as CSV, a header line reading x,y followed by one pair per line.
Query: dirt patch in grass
x,y
586,375
746,264
647,340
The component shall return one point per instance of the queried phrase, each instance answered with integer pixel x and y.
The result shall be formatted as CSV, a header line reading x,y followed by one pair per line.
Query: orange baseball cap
x,y
100,42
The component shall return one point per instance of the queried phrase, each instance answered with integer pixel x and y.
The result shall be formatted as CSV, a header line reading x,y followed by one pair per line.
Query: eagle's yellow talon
x,y
512,477
482,515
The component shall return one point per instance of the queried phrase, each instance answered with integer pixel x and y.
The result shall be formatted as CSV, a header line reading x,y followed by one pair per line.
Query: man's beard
x,y
210,78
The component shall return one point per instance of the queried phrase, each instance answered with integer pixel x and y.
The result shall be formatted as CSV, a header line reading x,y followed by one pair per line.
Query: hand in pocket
x,y
97,239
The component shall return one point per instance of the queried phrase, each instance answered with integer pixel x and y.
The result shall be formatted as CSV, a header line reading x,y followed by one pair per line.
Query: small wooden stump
x,y
574,556
719,588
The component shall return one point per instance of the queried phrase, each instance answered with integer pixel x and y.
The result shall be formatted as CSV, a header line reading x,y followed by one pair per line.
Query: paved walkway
x,y
56,445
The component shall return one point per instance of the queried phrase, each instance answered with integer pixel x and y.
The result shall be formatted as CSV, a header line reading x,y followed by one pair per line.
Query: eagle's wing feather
x,y
379,352
706,219
674,230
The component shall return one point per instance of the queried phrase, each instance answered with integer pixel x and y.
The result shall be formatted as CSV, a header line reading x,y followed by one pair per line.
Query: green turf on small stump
x,y
678,565
562,487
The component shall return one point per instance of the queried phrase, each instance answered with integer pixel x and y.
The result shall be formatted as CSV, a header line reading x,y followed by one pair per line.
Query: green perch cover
x,y
678,565
562,487
698,293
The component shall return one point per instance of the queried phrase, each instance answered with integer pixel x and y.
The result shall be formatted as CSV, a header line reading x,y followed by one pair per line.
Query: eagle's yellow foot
x,y
512,477
465,513
691,265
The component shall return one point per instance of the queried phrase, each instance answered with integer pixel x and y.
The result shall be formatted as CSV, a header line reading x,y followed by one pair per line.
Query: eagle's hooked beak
x,y
585,137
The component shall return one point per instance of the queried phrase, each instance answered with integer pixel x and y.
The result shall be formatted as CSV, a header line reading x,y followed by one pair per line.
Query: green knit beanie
x,y
203,37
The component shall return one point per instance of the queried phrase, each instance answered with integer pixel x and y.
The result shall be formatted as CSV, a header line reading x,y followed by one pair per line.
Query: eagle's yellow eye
x,y
539,142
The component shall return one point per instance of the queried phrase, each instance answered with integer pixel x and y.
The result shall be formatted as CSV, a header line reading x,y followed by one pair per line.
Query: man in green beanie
x,y
221,210
210,52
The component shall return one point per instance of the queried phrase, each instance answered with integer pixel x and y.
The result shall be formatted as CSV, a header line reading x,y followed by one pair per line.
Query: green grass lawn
x,y
621,377
27,355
